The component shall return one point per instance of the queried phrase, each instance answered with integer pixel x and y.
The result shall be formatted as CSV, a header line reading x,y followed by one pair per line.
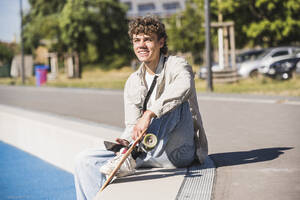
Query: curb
x,y
58,140
52,138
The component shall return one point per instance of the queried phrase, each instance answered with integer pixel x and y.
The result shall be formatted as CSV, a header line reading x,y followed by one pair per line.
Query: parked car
x,y
263,62
203,70
244,56
249,55
283,69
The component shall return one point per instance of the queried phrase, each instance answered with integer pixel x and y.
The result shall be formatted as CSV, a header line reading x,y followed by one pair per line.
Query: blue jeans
x,y
175,148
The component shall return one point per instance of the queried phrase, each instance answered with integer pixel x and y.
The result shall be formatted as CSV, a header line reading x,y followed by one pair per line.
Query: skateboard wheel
x,y
149,141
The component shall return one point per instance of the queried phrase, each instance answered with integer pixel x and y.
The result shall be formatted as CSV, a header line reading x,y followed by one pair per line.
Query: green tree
x,y
94,29
99,25
42,23
185,30
6,53
263,23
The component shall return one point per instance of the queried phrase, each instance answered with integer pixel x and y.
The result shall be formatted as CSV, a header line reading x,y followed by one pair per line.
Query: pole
x,y
208,46
232,46
220,37
22,45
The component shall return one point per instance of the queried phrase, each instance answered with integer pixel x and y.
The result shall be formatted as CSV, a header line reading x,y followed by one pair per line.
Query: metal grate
x,y
198,183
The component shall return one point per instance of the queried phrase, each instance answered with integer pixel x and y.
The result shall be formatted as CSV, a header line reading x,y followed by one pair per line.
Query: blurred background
x,y
84,42
253,139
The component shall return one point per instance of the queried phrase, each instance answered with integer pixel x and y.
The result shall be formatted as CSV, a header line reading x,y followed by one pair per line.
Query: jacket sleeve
x,y
132,112
177,91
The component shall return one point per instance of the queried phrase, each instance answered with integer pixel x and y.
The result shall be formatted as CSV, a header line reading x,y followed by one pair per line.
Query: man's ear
x,y
161,42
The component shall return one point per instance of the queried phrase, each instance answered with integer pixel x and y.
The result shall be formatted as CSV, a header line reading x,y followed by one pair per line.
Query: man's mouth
x,y
143,52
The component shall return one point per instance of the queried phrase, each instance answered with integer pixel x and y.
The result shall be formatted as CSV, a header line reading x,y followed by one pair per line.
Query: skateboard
x,y
148,143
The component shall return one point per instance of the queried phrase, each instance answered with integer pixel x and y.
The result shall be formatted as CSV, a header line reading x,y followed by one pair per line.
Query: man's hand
x,y
122,142
142,124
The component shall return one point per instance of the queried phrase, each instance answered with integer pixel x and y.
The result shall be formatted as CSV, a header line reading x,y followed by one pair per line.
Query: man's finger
x,y
122,141
134,135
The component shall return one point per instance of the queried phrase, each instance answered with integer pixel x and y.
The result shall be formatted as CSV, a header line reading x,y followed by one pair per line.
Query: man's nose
x,y
141,43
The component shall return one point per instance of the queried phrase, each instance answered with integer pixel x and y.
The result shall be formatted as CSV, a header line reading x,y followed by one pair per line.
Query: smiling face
x,y
147,48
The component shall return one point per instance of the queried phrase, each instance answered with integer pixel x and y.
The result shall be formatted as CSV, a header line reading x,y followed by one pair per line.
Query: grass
x,y
91,78
260,86
115,79
95,78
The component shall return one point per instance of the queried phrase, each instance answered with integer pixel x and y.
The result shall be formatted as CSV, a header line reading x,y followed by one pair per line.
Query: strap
x,y
149,93
151,89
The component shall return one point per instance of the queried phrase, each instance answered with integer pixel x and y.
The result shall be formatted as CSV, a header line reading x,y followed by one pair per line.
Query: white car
x,y
214,68
244,56
263,62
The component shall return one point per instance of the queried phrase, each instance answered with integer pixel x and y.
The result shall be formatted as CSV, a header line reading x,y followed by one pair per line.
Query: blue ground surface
x,y
23,176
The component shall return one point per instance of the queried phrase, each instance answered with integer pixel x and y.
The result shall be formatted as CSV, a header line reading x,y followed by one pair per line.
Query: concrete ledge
x,y
195,182
146,184
58,140
52,138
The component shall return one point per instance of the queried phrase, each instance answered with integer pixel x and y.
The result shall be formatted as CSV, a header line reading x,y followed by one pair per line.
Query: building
x,y
162,8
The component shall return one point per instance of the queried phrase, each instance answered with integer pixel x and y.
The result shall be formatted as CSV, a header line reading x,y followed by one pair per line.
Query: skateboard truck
x,y
149,142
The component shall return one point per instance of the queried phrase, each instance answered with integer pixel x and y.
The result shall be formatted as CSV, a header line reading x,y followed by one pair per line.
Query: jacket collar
x,y
160,65
160,71
142,69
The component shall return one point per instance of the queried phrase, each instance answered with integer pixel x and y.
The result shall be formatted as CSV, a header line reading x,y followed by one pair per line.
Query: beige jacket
x,y
175,85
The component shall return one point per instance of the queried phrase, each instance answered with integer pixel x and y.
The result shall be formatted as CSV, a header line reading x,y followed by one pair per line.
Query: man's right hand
x,y
142,124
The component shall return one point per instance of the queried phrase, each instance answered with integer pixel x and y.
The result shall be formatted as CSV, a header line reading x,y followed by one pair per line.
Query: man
x,y
160,97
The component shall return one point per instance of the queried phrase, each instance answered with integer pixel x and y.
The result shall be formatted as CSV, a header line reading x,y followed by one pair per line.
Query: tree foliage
x,y
97,26
185,30
7,52
262,23
95,29
41,23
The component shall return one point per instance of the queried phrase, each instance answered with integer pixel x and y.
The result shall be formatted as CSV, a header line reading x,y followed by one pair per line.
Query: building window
x,y
171,6
129,5
146,7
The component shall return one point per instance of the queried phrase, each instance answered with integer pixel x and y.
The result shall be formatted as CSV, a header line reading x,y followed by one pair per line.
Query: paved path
x,y
254,140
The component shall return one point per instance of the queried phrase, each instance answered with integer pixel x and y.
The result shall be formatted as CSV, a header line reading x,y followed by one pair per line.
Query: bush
x,y
6,53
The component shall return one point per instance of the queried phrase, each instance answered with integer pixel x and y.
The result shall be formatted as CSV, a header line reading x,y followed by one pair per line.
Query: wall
x,y
52,138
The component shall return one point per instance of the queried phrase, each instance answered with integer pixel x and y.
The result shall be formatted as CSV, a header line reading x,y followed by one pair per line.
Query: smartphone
x,y
112,146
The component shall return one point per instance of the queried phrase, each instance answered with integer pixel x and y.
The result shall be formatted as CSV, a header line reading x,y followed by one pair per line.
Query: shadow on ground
x,y
247,157
152,173
220,160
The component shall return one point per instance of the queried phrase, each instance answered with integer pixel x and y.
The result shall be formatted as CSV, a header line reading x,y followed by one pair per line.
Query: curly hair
x,y
149,25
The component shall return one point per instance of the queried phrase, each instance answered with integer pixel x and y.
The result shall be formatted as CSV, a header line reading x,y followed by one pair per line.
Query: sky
x,y
10,19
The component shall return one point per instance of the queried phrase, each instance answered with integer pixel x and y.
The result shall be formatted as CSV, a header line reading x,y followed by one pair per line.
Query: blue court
x,y
23,176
